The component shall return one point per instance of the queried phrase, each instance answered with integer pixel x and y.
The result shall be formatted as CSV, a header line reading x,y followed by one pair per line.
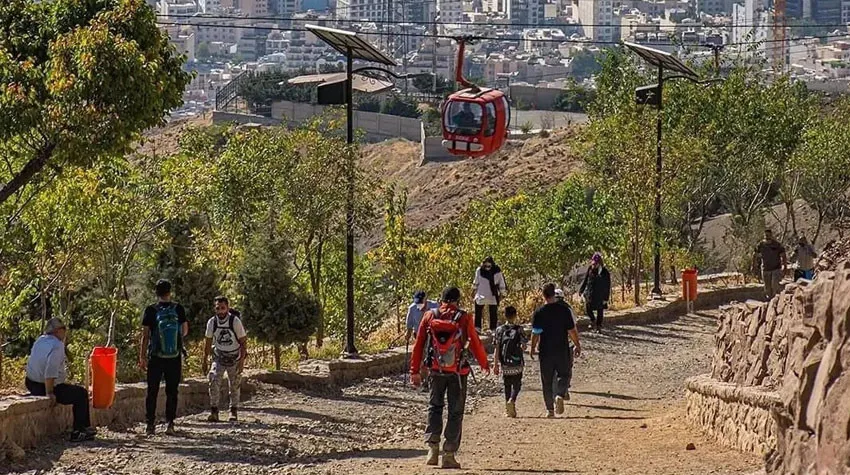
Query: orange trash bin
x,y
689,284
104,365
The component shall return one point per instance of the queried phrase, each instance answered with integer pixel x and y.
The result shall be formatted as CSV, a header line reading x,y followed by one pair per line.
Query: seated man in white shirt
x,y
46,377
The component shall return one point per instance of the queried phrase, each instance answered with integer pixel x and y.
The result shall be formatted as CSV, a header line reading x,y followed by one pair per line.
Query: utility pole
x,y
434,56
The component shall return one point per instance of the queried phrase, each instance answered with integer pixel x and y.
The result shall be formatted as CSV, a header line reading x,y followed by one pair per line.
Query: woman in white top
x,y
489,288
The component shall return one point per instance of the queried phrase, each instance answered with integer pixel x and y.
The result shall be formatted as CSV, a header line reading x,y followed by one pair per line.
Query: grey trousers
x,y
234,376
771,282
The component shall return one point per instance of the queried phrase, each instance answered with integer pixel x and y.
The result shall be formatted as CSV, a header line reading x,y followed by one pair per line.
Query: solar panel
x,y
661,59
347,42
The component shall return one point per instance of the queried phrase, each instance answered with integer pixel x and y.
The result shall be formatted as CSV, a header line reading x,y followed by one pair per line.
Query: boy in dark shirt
x,y
508,358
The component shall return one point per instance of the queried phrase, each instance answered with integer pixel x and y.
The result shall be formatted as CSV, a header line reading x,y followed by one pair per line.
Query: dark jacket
x,y
596,287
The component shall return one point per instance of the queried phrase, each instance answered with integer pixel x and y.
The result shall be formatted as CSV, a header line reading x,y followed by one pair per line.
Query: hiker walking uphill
x,y
45,376
774,263
489,288
509,359
164,326
551,327
596,290
444,333
226,337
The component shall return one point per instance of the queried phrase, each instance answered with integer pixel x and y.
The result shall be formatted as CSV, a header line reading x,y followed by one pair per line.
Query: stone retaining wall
x,y
735,416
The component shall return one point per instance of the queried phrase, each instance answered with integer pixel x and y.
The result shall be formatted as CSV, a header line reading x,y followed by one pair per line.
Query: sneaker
x,y
81,436
550,414
234,416
90,430
449,461
559,405
151,429
510,409
213,417
170,429
433,455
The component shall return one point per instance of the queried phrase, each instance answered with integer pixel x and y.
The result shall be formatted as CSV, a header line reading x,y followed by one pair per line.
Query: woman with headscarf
x,y
596,290
488,287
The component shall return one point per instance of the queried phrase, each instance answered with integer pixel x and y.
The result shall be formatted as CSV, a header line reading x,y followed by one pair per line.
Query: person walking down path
x,y
227,340
489,287
445,332
774,263
164,326
804,254
45,376
551,328
596,290
509,359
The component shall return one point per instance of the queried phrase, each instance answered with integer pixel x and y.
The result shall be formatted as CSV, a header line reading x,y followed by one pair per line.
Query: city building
x,y
596,18
526,12
827,12
183,39
542,40
450,12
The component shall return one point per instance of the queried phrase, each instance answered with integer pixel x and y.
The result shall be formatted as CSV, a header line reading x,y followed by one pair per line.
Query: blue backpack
x,y
166,338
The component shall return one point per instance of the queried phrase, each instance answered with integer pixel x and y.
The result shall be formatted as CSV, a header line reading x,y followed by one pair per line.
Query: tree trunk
x,y
673,275
277,357
27,173
820,224
636,267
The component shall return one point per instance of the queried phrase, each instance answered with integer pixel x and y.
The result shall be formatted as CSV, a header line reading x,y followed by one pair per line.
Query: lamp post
x,y
339,92
652,95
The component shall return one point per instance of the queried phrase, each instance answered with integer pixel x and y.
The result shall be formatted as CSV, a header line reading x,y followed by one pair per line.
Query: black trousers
x,y
494,315
597,320
555,374
513,384
169,369
66,394
453,387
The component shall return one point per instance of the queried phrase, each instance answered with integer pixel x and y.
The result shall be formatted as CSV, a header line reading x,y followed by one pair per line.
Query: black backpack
x,y
510,345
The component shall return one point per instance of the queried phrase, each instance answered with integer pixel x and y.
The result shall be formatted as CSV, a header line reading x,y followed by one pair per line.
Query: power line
x,y
492,38
429,23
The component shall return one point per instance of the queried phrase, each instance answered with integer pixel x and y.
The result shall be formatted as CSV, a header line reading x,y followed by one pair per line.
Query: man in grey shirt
x,y
46,377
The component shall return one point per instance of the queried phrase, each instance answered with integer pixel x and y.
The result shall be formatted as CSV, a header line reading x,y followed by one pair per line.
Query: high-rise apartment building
x,y
596,18
526,12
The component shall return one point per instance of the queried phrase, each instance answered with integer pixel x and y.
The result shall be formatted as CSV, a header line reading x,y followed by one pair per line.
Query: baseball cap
x,y
418,297
52,325
559,293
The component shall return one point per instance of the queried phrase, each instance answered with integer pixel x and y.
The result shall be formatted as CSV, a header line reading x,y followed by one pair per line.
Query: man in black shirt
x,y
164,326
552,328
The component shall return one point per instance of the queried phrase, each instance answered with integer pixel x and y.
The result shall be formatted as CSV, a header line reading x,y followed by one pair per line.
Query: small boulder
x,y
691,446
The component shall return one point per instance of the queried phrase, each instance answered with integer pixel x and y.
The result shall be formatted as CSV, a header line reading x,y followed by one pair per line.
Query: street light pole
x,y
656,289
350,348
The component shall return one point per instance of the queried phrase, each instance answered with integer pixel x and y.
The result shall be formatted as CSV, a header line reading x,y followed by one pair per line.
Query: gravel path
x,y
626,416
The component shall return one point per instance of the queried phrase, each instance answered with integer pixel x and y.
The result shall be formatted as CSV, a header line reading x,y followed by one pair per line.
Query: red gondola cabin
x,y
475,119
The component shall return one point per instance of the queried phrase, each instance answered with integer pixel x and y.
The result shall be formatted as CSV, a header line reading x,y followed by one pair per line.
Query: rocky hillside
x,y
439,191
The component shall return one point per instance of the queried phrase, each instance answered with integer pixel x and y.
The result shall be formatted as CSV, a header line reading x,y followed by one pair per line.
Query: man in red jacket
x,y
443,334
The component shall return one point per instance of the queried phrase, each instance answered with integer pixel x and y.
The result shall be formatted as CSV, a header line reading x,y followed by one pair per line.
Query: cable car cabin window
x,y
463,118
491,120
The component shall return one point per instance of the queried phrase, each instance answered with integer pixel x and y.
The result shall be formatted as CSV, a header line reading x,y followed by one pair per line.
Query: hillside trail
x,y
626,416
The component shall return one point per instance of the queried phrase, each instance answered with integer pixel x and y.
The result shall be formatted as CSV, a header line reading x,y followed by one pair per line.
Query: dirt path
x,y
626,416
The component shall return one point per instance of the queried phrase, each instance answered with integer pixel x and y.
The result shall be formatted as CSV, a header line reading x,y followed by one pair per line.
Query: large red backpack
x,y
445,336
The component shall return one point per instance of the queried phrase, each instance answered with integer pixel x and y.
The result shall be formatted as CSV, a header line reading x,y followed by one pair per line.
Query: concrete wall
x,y
221,117
541,97
377,127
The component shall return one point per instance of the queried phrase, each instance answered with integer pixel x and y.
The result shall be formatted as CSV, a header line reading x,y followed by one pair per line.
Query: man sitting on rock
x,y
46,377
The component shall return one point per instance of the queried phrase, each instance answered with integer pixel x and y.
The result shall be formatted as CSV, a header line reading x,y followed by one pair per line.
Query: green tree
x,y
585,64
82,80
262,89
276,310
369,104
203,51
426,84
397,105
822,166
575,98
